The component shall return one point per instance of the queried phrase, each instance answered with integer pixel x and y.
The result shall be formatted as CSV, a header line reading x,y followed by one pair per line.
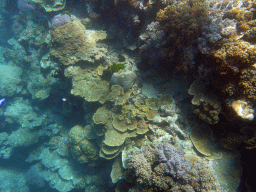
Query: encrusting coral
x,y
72,43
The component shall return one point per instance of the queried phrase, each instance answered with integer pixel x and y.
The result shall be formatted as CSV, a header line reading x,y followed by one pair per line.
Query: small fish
x,y
2,101
66,13
94,15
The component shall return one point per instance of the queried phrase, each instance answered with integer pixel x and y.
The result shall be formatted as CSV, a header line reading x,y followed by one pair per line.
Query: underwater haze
x,y
127,95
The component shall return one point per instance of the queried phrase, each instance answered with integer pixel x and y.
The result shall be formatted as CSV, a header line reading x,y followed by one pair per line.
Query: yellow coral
x,y
72,43
86,84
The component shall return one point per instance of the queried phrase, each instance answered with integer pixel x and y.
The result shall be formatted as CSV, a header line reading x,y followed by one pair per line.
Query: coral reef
x,y
153,43
240,110
82,149
124,78
10,77
49,6
175,164
233,56
247,83
22,112
180,22
146,173
203,142
87,83
57,171
72,43
206,105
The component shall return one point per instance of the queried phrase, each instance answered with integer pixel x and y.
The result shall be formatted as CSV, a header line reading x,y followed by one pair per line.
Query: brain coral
x,y
81,148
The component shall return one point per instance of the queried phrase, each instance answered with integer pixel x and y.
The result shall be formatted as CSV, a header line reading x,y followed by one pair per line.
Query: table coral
x,y
206,106
87,84
203,142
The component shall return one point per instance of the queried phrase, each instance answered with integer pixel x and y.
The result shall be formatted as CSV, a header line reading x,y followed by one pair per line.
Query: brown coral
x,y
233,56
206,106
247,83
181,22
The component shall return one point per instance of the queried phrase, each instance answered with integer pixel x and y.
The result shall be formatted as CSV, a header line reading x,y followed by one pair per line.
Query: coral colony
x,y
127,95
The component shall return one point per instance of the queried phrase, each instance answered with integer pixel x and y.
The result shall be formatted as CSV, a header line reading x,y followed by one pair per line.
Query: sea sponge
x,y
82,149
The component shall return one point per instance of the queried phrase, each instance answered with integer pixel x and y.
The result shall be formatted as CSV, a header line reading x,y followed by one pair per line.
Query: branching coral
x,y
150,171
247,83
181,22
234,56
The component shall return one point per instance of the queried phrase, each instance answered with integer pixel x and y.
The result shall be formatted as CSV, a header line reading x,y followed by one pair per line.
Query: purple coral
x,y
175,164
60,19
24,6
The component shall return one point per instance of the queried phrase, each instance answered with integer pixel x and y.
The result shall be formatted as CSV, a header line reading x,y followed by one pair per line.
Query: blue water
x,y
46,97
